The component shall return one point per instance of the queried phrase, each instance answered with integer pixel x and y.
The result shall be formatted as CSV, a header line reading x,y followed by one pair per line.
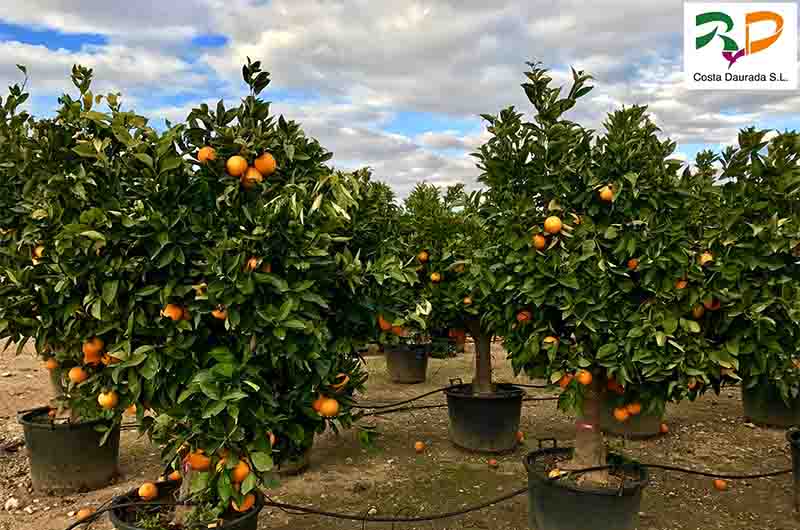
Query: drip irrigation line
x,y
391,405
383,412
709,474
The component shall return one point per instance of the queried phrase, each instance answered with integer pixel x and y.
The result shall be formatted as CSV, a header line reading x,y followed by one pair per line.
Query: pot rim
x,y
170,487
502,391
629,487
25,418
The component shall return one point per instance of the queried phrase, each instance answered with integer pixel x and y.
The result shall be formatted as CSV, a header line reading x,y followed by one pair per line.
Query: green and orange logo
x,y
731,50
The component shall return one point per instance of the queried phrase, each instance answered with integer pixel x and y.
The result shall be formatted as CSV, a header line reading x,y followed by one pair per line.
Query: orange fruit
x,y
720,485
419,446
185,315
199,461
77,375
384,324
621,414
492,462
131,411
539,242
38,252
51,364
148,491
712,304
266,268
606,194
550,339
633,264
219,313
552,225
705,257
664,429
251,264
584,377
317,403
460,268
240,472
175,476
204,154
329,408
615,387
397,330
272,439
634,409
93,359
423,256
247,503
436,277
108,400
565,380
236,166
251,177
524,316
698,311
84,513
266,164
520,436
681,284
172,312
93,346
467,300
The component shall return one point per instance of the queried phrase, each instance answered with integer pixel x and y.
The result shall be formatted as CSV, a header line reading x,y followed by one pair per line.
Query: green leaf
x,y
611,233
145,159
607,350
110,291
569,281
294,324
199,482
249,484
214,409
94,235
261,461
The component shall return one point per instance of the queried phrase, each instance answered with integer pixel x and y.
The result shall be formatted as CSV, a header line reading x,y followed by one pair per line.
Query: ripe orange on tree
x,y
317,403
467,300
251,264
520,436
584,377
681,284
634,409
240,472
524,316
565,380
664,428
198,461
436,277
712,304
51,364
220,313
247,503
621,414
398,330
148,491
77,375
539,242
236,166
552,225
172,312
251,177
384,324
93,346
698,311
329,408
606,194
705,258
174,476
423,256
633,264
108,400
266,164
205,154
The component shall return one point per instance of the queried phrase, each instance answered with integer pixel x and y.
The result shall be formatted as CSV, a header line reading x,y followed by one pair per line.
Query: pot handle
x,y
552,440
456,381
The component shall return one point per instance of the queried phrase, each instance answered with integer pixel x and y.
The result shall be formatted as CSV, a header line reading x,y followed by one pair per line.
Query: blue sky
x,y
397,86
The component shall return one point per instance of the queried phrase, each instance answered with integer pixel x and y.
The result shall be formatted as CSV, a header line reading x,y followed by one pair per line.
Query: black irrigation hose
x,y
718,475
391,405
442,405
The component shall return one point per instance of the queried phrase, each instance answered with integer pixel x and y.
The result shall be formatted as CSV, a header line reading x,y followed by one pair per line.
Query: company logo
x,y
740,46
731,51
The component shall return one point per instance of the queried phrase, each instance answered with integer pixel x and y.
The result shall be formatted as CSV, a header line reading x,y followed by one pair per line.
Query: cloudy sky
x,y
393,84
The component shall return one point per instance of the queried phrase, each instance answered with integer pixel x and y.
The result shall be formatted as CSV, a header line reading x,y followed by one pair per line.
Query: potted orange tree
x,y
594,242
243,338
750,291
62,278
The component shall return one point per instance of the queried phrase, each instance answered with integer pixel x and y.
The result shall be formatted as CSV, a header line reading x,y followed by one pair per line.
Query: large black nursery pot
x,y
66,457
561,504
794,444
125,517
763,405
484,422
407,363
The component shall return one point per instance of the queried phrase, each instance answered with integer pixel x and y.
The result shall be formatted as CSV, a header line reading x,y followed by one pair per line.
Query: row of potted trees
x,y
217,279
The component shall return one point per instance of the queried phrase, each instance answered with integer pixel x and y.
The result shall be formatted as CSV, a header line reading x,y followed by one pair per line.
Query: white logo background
x,y
774,68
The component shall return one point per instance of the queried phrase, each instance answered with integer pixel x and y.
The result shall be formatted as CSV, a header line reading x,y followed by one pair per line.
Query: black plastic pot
x,y
763,405
124,518
67,457
407,363
794,444
562,505
639,427
487,423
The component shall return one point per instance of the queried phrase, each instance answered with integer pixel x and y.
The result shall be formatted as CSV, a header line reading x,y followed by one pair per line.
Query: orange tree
x,y
243,335
590,247
750,289
72,252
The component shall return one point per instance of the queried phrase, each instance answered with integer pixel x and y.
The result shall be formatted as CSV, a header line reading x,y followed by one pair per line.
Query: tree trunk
x,y
482,381
590,448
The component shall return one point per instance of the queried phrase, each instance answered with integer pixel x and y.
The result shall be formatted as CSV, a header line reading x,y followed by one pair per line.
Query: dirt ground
x,y
391,479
